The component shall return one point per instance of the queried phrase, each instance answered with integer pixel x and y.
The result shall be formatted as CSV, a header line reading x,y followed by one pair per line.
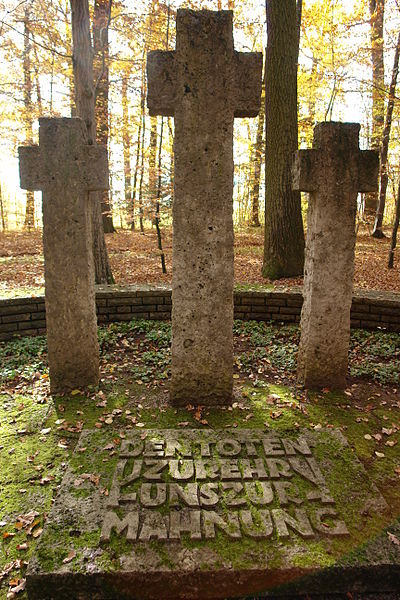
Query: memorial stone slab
x,y
334,171
205,514
203,84
66,169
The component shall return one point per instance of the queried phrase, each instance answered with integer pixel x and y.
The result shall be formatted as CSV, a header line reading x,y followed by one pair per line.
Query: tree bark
x,y
126,143
101,21
393,241
377,232
257,154
82,59
140,196
152,183
158,198
28,111
284,235
2,212
376,9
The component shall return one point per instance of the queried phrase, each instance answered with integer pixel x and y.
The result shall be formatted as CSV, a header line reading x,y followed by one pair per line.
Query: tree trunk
x,y
2,212
152,184
82,59
28,109
376,9
158,197
142,168
126,143
393,242
101,21
378,233
138,142
257,155
284,236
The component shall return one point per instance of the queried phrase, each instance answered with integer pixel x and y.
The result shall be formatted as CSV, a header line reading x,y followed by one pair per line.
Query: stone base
x,y
204,514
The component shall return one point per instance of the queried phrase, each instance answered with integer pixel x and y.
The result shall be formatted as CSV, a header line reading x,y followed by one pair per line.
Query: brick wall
x,y
26,316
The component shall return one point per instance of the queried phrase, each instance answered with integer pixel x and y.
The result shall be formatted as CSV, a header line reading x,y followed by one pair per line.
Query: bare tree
x,y
377,232
82,58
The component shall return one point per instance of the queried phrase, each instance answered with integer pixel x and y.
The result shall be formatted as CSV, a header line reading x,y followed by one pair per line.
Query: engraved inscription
x,y
247,484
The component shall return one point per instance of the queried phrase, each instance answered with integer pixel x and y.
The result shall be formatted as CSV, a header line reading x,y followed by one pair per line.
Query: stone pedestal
x,y
65,168
204,84
334,171
214,514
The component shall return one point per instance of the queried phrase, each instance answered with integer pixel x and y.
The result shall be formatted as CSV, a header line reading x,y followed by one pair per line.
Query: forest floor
x,y
38,432
135,258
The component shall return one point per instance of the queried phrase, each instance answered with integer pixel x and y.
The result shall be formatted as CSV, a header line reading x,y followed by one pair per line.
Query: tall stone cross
x,y
66,169
334,171
203,84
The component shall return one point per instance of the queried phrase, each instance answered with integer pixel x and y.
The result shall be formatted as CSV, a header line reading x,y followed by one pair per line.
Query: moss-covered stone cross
x,y
204,84
66,169
334,171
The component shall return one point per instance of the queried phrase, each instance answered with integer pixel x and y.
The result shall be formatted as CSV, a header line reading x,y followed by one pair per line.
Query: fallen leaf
x,y
23,546
70,557
393,538
37,532
46,479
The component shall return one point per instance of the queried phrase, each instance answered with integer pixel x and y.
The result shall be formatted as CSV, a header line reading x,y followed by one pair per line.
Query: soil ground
x,y
134,258
38,432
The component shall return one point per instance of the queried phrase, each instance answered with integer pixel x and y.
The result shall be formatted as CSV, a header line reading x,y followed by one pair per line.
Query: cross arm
x,y
304,171
368,171
248,83
31,173
161,83
89,170
94,168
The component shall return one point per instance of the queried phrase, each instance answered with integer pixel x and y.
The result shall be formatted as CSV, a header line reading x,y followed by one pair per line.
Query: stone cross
x,y
334,171
203,84
65,169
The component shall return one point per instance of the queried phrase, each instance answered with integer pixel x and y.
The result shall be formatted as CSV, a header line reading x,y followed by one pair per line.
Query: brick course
x,y
26,316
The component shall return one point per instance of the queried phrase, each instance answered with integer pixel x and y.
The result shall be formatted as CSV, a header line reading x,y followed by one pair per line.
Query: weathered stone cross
x,y
334,171
65,168
204,84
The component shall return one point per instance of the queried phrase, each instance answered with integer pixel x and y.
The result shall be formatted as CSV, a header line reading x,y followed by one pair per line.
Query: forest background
x,y
338,79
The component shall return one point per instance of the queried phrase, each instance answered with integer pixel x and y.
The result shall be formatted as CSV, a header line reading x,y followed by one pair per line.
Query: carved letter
x,y
181,469
287,492
206,469
208,494
211,520
233,488
256,472
111,521
283,519
272,446
254,529
153,527
230,469
188,493
292,447
259,492
278,468
154,472
147,497
338,529
228,447
185,521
